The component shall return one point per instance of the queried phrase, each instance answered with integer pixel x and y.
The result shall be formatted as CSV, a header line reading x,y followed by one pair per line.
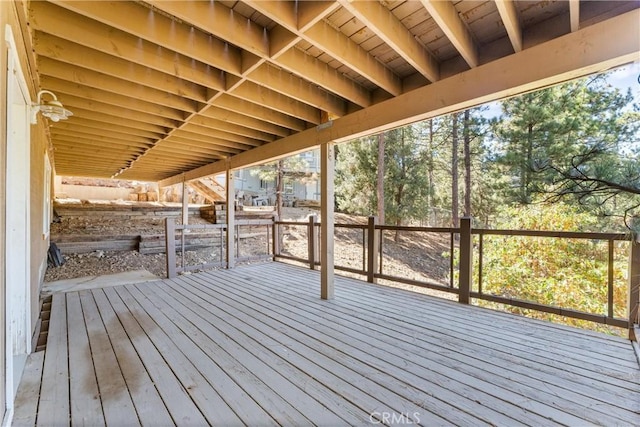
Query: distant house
x,y
302,184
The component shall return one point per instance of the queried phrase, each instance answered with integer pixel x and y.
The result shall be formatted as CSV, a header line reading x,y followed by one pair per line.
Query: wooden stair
x,y
210,189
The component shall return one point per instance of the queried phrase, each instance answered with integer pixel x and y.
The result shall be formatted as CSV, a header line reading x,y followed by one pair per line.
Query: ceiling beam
x,y
574,15
230,140
389,28
325,76
116,120
159,29
115,110
225,126
246,121
258,111
596,48
446,16
257,94
74,55
217,133
65,87
294,87
46,18
509,16
110,128
85,77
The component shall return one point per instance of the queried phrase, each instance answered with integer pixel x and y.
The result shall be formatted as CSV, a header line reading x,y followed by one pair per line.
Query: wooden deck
x,y
256,346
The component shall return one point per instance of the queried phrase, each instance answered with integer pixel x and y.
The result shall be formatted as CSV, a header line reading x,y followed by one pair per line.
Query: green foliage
x,y
567,273
405,185
578,140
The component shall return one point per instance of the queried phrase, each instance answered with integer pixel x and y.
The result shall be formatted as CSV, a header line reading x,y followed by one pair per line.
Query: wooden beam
x,y
97,106
185,204
72,136
246,142
85,77
596,48
574,15
389,28
240,119
231,222
235,147
108,127
226,126
296,88
257,94
62,86
46,17
258,111
159,29
221,21
179,142
446,16
80,56
327,168
325,76
116,120
509,16
335,44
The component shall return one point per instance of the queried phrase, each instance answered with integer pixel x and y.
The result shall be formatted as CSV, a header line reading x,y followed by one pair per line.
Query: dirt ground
x,y
416,255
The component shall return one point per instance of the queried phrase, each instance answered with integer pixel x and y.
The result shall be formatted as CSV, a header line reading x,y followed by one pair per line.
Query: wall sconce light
x,y
52,109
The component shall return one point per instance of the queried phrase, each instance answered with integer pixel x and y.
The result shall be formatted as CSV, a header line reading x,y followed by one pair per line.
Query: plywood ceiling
x,y
158,88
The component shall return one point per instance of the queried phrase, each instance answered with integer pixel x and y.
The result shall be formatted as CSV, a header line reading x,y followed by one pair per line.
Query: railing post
x,y
312,239
466,261
634,288
170,246
373,244
275,235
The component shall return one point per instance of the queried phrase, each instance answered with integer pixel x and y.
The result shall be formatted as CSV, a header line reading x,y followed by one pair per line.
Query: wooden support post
x,y
275,236
634,288
185,203
373,245
466,261
312,239
170,246
327,164
231,220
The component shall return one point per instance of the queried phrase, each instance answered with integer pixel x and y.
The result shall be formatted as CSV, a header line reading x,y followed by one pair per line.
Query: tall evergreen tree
x,y
577,140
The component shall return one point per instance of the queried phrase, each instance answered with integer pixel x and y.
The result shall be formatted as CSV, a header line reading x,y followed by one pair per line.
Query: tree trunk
x,y
380,183
430,167
455,216
279,188
467,165
526,185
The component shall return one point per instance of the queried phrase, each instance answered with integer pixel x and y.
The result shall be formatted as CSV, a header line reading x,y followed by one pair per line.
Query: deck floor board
x,y
256,346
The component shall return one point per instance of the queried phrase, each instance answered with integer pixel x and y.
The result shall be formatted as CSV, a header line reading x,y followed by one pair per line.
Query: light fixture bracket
x,y
53,109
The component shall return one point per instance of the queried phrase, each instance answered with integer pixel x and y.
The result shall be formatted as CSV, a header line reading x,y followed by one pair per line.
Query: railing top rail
x,y
559,234
423,229
300,223
356,226
223,226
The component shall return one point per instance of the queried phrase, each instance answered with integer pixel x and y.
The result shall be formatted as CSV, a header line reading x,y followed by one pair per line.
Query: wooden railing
x,y
462,240
180,244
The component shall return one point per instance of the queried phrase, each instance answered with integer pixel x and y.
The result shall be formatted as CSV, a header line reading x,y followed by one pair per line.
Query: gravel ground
x,y
415,255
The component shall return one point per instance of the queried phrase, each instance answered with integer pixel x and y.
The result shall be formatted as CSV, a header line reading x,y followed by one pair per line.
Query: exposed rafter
x,y
509,16
379,19
447,18
574,15
595,48
171,86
